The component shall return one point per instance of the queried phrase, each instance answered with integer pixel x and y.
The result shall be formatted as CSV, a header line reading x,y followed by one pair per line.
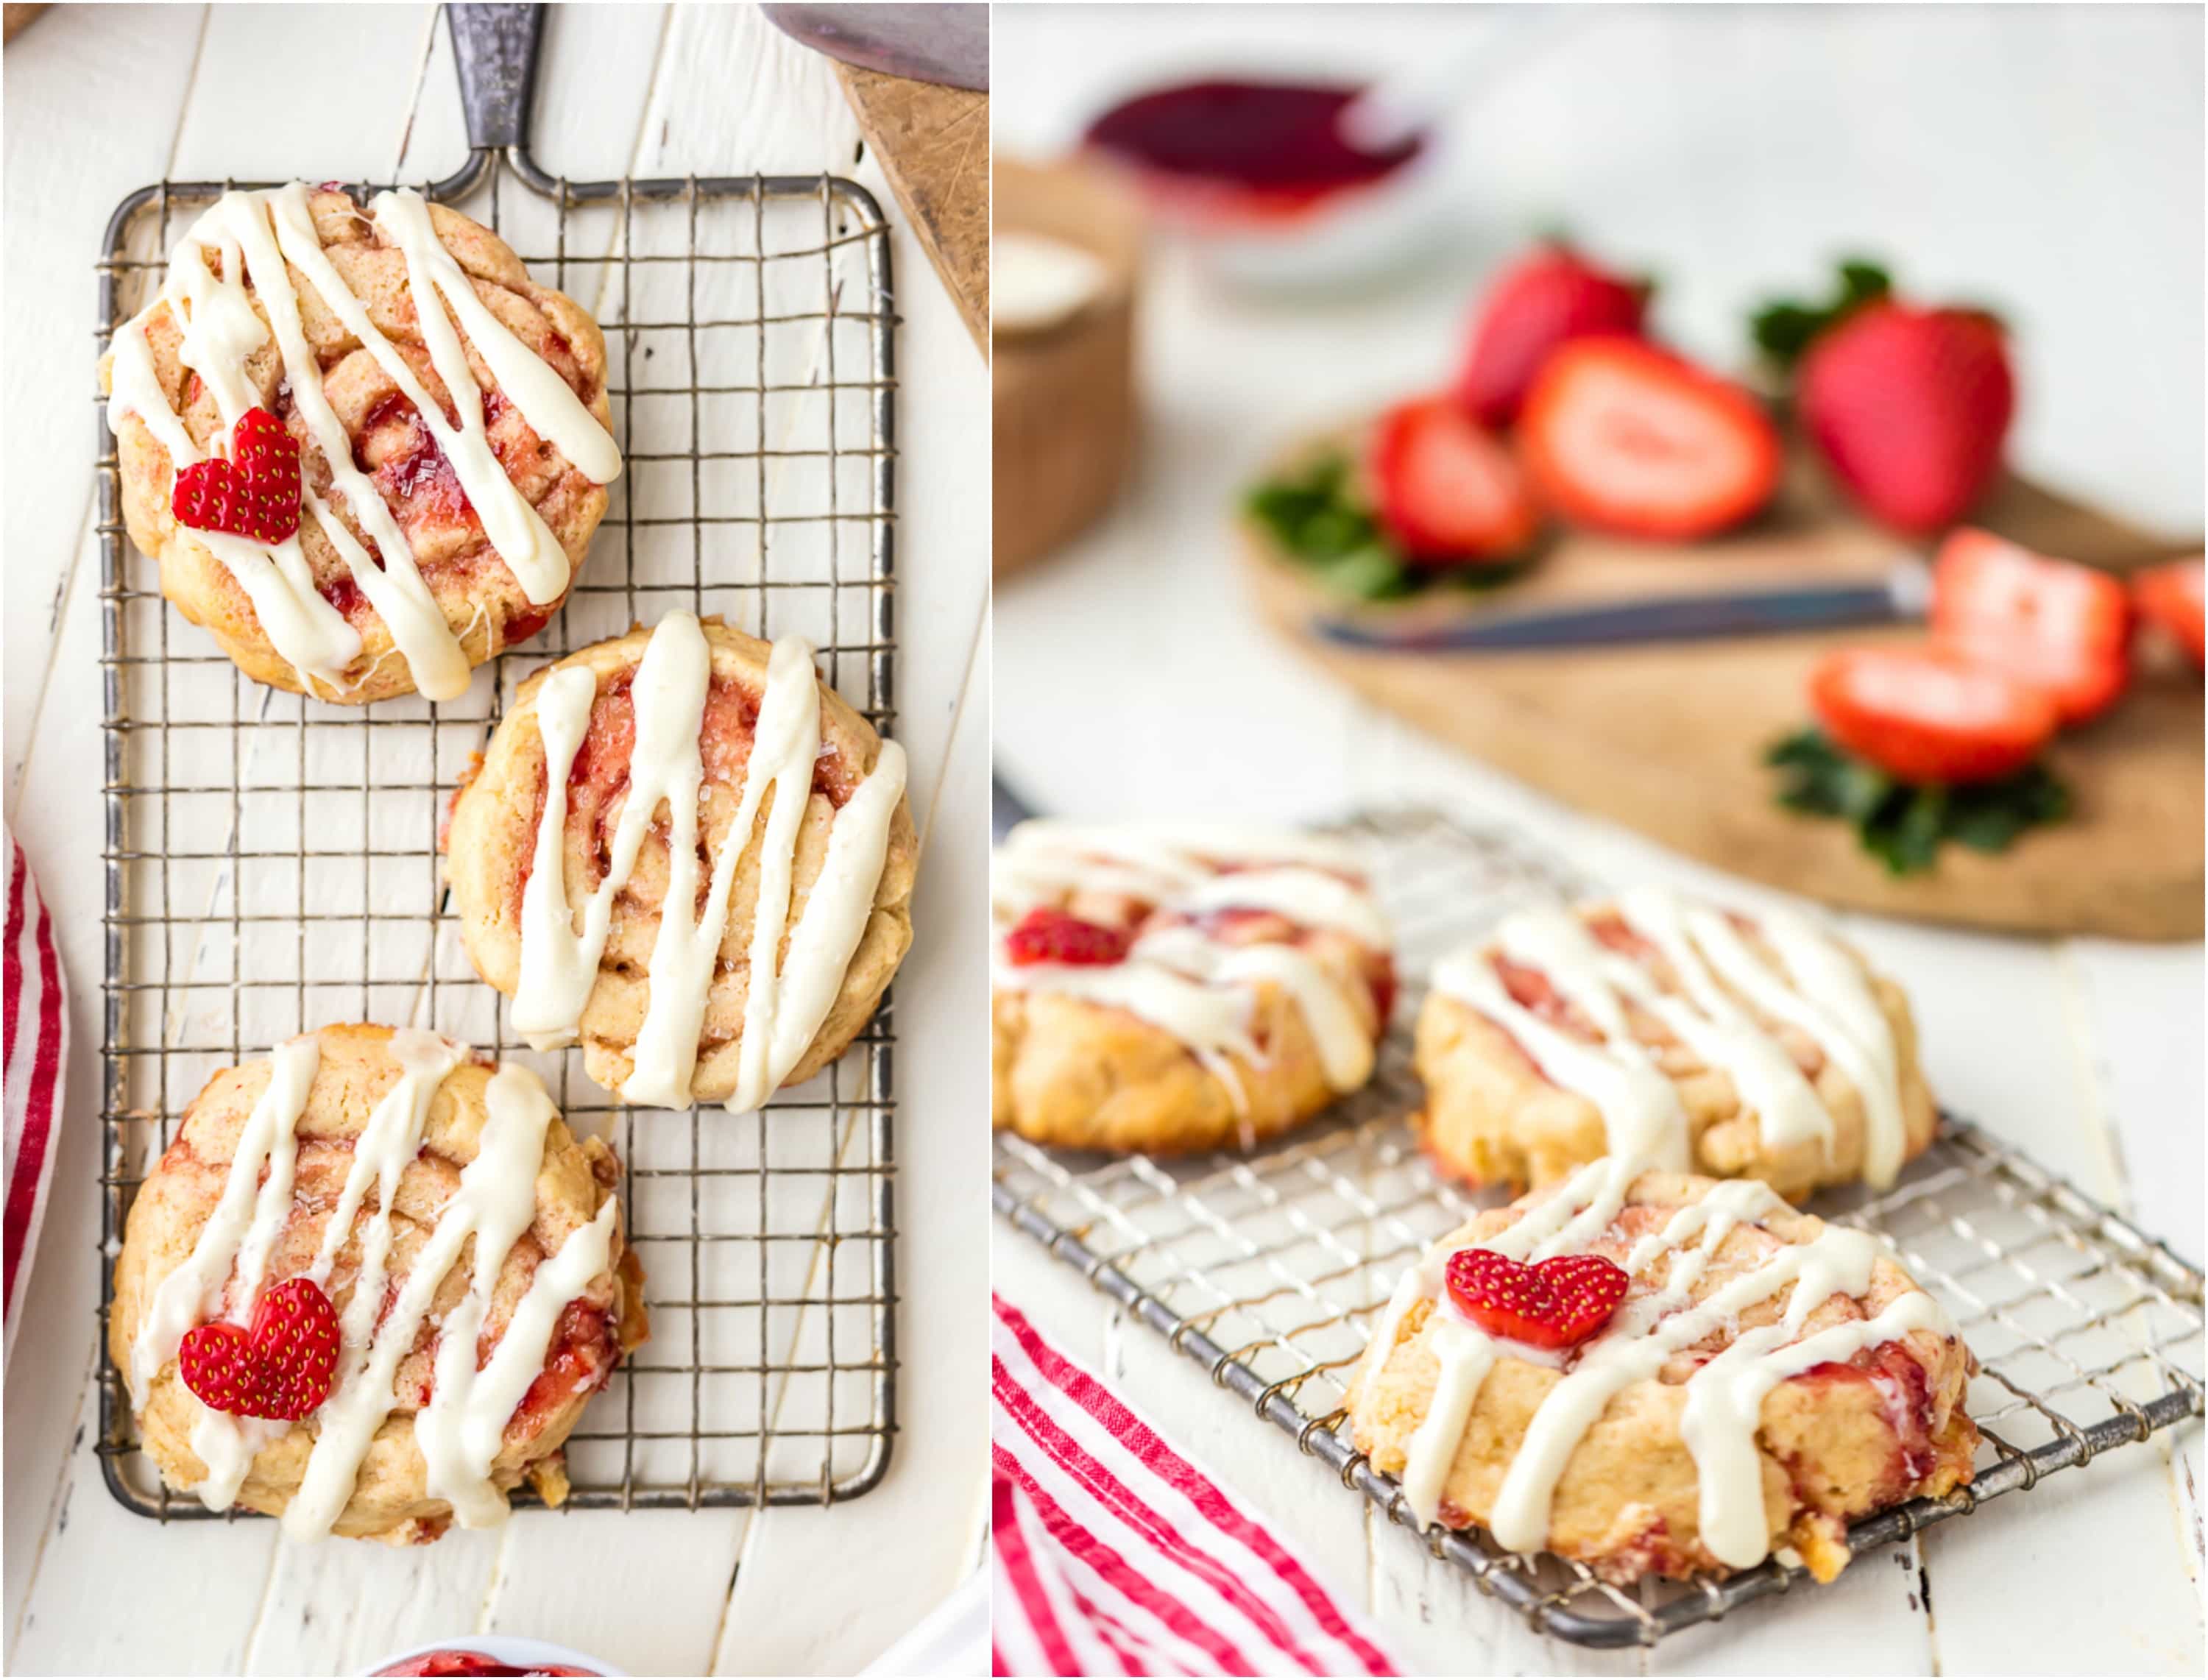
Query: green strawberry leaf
x,y
1311,514
1903,824
1783,327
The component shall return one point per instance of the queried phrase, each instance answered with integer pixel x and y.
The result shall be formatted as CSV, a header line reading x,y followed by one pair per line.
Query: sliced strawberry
x,y
1910,408
1556,1303
1927,714
254,494
2170,596
2060,626
1625,437
1046,935
1448,492
1539,302
280,1366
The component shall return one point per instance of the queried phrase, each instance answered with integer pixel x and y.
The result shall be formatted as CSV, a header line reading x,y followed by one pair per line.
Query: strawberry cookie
x,y
1657,1374
370,1287
686,853
1683,1036
1167,988
366,450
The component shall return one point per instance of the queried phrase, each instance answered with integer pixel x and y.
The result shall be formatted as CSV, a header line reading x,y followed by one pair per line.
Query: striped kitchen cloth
x,y
36,1056
1112,1554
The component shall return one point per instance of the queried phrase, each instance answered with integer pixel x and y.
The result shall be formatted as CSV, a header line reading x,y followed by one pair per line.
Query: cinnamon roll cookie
x,y
1167,988
366,450
685,851
1654,1374
1737,1047
371,1287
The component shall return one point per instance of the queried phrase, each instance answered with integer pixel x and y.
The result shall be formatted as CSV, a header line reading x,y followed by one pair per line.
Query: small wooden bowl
x,y
1063,406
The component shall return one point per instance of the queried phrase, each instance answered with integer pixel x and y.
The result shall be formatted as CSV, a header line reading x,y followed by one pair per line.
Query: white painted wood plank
x,y
791,1610
57,208
136,60
340,1606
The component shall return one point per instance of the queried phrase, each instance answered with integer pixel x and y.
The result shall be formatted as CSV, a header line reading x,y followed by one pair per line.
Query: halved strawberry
x,y
1626,437
2170,596
1044,935
254,494
1927,714
2060,626
1544,299
281,1366
1448,492
1556,1303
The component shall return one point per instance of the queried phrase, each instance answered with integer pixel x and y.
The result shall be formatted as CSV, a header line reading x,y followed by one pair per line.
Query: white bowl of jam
x,y
492,1654
1263,178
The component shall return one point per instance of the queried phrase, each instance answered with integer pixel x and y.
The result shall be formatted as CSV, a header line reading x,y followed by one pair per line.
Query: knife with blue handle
x,y
1900,596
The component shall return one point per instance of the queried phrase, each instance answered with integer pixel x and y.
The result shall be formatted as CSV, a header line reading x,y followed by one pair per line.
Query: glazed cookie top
x,y
726,735
1177,923
1717,1286
1591,997
416,370
437,1200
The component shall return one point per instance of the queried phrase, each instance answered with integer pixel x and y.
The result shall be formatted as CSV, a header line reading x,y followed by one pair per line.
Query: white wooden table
x,y
99,100
2048,159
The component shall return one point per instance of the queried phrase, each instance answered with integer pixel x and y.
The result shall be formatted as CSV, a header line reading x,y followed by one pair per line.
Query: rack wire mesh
x,y
272,861
1269,1268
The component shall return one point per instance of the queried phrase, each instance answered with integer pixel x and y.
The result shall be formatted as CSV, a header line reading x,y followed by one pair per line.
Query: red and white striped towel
x,y
36,1056
1112,1554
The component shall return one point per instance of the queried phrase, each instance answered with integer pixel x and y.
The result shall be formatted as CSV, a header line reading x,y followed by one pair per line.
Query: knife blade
x,y
946,43
1900,596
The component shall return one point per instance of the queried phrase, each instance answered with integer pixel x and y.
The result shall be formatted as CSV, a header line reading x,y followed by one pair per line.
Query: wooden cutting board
x,y
1668,739
934,144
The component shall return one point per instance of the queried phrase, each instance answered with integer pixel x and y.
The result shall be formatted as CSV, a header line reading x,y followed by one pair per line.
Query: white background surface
x,y
2048,160
100,100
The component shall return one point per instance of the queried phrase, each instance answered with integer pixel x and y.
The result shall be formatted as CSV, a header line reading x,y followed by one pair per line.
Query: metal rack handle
x,y
495,50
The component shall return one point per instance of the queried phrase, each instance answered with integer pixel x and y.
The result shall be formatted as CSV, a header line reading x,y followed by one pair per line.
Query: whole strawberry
x,y
1546,297
1909,406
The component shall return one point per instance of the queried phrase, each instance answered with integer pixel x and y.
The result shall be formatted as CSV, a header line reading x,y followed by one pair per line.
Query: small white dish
x,y
521,1653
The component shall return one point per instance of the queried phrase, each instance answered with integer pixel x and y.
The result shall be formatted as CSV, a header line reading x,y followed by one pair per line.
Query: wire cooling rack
x,y
1270,1269
272,861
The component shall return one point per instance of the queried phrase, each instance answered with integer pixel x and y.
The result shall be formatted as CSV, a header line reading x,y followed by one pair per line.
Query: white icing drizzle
x,y
783,1006
1822,993
1641,1115
1723,1398
1647,1130
461,1429
246,1220
493,1205
1725,1405
1179,978
492,1208
1151,861
1634,1347
269,239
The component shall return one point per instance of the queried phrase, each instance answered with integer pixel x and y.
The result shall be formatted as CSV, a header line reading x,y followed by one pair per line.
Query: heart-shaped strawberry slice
x,y
281,1366
1556,1303
255,493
